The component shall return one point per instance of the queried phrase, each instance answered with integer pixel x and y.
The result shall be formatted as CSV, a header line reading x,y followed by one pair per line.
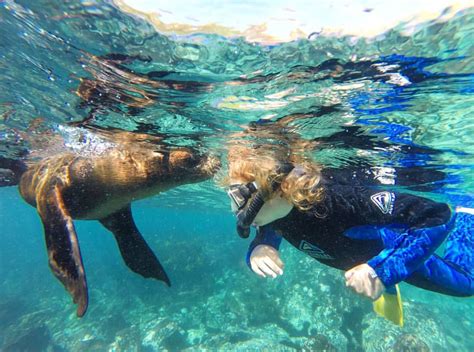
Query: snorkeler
x,y
352,221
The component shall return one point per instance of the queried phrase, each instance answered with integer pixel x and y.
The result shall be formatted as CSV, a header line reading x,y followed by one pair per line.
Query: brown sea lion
x,y
101,187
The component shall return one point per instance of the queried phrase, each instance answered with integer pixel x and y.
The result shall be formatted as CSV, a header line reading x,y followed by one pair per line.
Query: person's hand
x,y
265,261
363,280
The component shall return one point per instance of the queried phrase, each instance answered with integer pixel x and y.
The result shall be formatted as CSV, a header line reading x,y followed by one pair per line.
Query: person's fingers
x,y
367,288
272,265
359,288
348,274
280,263
267,269
353,285
351,277
377,289
356,284
256,269
350,281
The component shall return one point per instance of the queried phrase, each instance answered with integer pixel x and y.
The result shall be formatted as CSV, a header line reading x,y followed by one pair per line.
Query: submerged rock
x,y
421,332
319,343
256,344
410,343
35,339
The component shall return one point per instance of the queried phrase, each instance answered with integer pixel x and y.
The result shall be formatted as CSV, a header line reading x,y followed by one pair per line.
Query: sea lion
x,y
101,186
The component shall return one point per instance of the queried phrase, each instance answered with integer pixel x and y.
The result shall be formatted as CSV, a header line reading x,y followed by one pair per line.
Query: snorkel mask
x,y
241,194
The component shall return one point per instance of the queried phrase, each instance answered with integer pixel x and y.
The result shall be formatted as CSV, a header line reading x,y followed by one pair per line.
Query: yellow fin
x,y
389,306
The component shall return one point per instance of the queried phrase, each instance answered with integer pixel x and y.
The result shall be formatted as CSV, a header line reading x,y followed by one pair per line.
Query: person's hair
x,y
301,186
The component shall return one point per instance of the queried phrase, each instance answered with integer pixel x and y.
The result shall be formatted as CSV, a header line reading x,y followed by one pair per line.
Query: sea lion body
x,y
95,187
101,187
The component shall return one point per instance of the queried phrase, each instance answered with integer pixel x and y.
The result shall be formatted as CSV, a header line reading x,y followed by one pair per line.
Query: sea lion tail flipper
x,y
63,247
135,251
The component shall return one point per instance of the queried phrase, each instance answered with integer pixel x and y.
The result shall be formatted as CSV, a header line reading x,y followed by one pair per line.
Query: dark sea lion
x,y
101,187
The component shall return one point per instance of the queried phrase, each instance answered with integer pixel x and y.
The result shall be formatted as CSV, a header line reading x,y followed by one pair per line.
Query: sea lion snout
x,y
194,164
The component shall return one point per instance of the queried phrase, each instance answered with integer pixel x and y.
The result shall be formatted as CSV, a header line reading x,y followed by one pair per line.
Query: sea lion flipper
x,y
63,247
135,251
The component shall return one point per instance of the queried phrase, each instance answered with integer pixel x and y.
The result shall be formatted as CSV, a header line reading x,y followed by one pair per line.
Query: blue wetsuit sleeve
x,y
404,253
265,235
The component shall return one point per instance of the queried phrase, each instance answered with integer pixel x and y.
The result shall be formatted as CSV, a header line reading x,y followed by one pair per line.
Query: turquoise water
x,y
402,99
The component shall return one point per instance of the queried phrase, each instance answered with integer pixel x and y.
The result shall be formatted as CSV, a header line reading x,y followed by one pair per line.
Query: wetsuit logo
x,y
313,251
384,201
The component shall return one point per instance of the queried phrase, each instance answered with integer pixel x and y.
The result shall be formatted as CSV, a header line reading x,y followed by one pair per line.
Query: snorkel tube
x,y
245,217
